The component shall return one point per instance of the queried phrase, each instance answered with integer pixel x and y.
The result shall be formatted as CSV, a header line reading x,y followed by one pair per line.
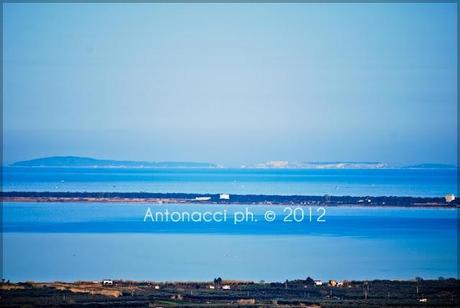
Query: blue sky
x,y
231,83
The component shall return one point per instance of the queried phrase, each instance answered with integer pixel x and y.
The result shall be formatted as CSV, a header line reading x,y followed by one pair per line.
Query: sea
x,y
340,182
71,241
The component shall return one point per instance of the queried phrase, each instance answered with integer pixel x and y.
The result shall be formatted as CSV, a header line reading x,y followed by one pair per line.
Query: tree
x,y
218,281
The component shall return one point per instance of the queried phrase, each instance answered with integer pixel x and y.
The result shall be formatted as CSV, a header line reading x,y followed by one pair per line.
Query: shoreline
x,y
191,198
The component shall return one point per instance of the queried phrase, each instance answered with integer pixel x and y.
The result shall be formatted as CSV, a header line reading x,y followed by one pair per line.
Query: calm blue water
x,y
371,182
93,241
72,241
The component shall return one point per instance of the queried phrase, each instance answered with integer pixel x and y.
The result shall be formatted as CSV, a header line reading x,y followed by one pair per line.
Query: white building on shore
x,y
449,198
224,197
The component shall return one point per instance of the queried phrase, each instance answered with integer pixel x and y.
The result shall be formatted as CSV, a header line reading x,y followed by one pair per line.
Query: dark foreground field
x,y
298,293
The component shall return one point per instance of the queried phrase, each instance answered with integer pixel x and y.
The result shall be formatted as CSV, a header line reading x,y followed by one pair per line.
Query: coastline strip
x,y
185,198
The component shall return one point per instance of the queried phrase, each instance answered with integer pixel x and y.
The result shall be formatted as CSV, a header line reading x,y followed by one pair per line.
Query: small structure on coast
x,y
226,287
224,197
107,282
202,198
318,283
333,283
449,198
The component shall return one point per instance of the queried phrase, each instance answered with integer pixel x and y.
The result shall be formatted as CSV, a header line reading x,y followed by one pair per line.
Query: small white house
x,y
318,283
449,198
107,282
423,300
226,287
157,287
224,197
211,287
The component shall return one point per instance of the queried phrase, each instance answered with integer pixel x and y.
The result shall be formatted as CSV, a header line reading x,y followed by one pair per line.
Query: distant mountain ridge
x,y
76,161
